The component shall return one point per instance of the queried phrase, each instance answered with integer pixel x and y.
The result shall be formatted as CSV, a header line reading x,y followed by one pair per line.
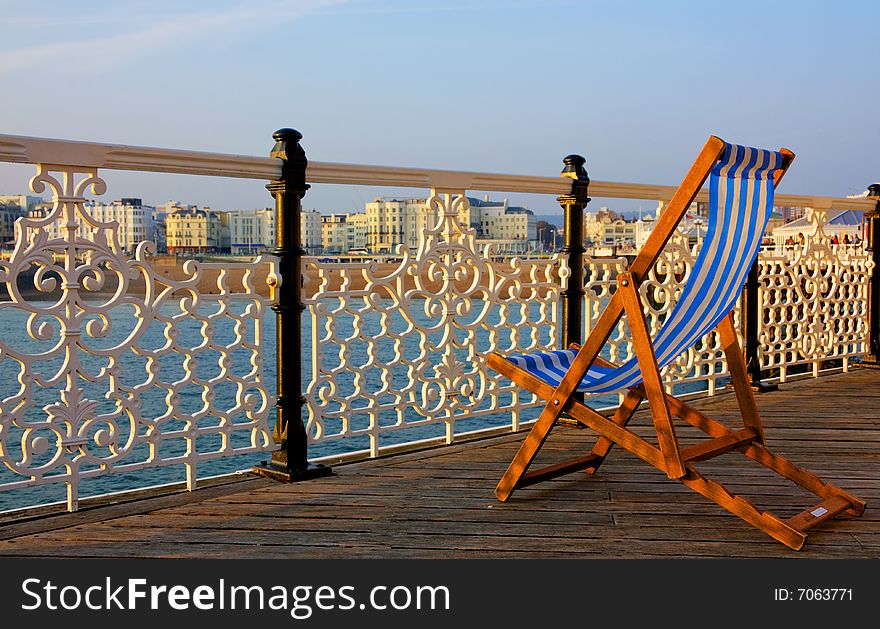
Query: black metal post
x,y
573,205
750,319
290,462
872,220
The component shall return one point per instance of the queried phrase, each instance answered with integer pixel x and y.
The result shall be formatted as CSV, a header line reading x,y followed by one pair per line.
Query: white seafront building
x,y
251,232
344,233
391,222
511,229
136,221
311,231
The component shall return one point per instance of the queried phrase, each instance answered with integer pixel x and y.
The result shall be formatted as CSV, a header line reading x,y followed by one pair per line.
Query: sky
x,y
507,86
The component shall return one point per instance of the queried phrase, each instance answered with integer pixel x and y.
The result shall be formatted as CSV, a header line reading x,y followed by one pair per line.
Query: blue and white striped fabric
x,y
740,202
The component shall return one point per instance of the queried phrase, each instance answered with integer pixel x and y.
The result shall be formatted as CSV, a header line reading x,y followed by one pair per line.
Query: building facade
x,y
24,202
594,228
311,230
344,233
190,230
627,234
790,213
333,232
251,232
8,215
512,229
136,221
13,206
392,222
609,233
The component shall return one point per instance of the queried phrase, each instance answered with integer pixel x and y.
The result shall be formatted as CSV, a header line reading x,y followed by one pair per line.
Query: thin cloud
x,y
114,50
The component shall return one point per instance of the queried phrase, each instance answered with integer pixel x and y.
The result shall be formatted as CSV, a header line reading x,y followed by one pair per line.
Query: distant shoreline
x,y
171,267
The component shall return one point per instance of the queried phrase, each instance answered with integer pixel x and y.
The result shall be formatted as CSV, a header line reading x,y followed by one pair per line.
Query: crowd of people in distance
x,y
791,241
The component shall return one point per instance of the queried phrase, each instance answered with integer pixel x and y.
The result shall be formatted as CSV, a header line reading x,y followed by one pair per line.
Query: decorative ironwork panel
x,y
398,347
813,299
113,367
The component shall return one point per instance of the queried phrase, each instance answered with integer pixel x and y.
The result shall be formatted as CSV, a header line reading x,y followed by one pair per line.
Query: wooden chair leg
x,y
517,474
621,417
743,508
525,455
736,364
652,383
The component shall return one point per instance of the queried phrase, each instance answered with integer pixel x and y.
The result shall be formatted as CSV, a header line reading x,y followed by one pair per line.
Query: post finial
x,y
288,149
286,143
574,168
287,133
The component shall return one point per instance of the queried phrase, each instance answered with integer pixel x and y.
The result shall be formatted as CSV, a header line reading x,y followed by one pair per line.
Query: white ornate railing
x,y
813,301
395,349
116,367
373,381
401,345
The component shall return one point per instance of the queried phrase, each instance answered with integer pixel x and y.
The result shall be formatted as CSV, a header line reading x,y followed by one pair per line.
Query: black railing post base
x,y
750,317
756,387
282,474
763,387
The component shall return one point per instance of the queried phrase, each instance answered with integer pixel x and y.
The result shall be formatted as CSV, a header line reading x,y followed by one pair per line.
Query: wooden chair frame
x,y
669,457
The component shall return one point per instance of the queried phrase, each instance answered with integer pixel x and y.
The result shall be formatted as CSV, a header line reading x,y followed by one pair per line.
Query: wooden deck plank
x,y
173,542
439,503
464,539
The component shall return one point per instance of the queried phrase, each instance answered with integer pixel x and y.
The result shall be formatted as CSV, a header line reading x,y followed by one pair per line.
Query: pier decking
x,y
439,503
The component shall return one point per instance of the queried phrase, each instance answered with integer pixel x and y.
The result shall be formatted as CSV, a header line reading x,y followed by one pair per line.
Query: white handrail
x,y
31,150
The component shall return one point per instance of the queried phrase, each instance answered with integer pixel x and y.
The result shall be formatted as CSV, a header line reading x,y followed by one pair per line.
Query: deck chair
x,y
741,186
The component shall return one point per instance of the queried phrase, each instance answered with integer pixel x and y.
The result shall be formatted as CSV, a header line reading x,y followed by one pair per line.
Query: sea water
x,y
419,337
